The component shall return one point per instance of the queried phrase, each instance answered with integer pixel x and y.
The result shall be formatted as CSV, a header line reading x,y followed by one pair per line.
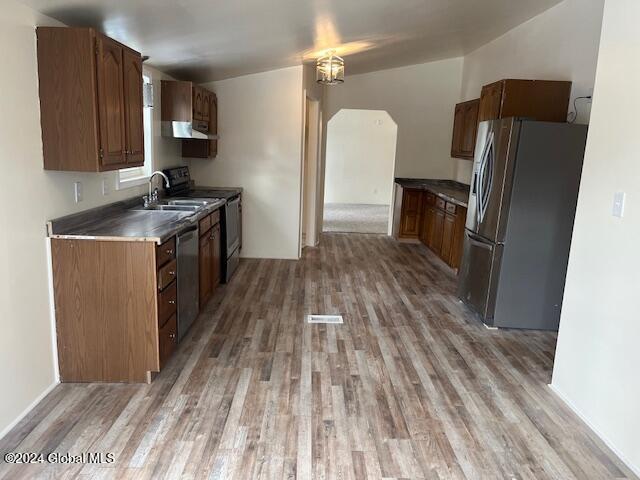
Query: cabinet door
x,y
197,103
410,213
435,239
215,255
111,103
468,138
134,127
204,260
206,107
457,242
458,130
490,101
447,237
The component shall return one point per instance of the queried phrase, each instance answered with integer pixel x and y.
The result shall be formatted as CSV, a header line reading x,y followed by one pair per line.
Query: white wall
x,y
260,120
361,149
421,100
598,351
559,44
29,199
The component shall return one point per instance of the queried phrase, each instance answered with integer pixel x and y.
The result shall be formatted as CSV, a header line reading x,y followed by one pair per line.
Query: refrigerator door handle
x,y
482,196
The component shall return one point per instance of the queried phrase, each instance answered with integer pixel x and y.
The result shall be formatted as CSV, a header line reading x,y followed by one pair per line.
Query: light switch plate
x,y
105,186
77,191
618,204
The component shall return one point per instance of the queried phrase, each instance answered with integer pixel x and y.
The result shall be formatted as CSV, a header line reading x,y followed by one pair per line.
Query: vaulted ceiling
x,y
206,40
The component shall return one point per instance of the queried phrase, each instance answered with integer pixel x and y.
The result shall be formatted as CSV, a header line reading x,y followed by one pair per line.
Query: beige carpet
x,y
355,218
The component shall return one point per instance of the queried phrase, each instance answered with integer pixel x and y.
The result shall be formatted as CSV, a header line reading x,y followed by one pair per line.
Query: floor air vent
x,y
324,319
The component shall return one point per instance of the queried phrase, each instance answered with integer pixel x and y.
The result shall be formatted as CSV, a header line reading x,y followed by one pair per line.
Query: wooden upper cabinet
x,y
543,100
490,101
465,127
204,148
133,107
90,107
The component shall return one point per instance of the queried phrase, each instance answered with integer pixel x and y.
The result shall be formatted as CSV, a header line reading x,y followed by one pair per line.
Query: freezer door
x,y
492,178
478,278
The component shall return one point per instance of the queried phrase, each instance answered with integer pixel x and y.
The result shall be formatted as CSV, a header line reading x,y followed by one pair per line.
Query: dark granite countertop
x,y
121,221
450,190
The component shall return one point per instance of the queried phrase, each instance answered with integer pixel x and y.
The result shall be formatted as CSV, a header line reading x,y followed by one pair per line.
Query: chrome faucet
x,y
152,198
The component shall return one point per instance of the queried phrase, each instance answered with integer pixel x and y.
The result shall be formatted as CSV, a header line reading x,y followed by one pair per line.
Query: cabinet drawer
x,y
440,203
451,208
205,224
167,274
215,217
166,252
167,339
167,303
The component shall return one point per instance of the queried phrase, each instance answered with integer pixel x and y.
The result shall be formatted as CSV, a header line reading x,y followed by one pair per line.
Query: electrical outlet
x,y
105,186
77,191
618,204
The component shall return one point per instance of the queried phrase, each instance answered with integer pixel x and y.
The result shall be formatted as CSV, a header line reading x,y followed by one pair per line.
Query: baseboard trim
x,y
27,410
635,470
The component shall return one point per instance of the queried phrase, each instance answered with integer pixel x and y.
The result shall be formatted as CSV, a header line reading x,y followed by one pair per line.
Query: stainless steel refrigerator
x,y
522,202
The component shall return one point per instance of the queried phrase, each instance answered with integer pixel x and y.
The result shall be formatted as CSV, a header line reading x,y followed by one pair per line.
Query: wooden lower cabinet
x,y
115,304
439,224
209,256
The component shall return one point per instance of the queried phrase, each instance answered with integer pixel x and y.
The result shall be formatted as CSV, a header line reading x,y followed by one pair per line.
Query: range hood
x,y
185,129
178,116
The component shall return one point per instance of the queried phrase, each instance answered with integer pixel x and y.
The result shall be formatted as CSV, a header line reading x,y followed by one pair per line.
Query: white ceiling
x,y
206,40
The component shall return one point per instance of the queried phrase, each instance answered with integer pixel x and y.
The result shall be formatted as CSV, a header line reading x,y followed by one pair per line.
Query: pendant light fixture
x,y
330,70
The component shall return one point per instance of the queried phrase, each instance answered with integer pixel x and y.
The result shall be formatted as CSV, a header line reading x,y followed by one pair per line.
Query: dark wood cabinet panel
x,y
447,237
465,127
457,241
167,303
209,257
111,102
133,107
410,215
435,238
197,103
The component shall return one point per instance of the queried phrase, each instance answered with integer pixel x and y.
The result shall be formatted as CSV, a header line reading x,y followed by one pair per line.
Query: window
x,y
131,177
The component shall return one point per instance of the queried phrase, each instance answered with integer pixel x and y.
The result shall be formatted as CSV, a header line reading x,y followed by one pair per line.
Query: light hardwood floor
x,y
410,386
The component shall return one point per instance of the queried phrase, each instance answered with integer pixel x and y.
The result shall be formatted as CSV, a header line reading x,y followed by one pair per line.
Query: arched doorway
x,y
359,171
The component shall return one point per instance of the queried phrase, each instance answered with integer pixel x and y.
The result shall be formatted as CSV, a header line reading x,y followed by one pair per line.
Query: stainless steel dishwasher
x,y
187,252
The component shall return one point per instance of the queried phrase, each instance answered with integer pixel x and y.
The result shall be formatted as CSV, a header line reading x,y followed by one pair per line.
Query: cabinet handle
x,y
172,302
172,335
172,273
169,251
